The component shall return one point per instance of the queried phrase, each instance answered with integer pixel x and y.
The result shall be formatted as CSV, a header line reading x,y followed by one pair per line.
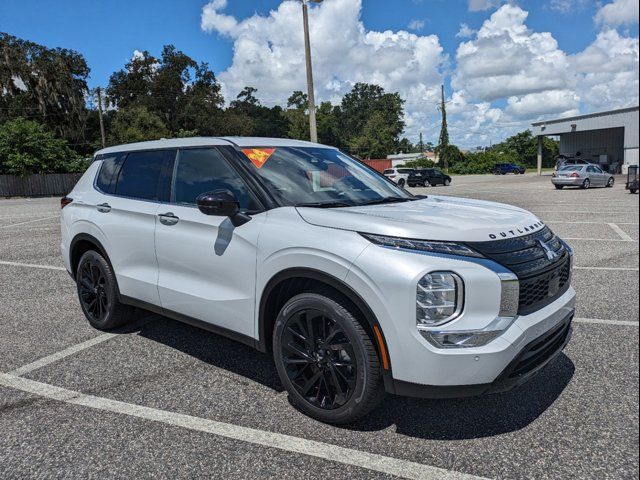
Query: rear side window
x,y
206,170
404,170
140,175
109,170
388,172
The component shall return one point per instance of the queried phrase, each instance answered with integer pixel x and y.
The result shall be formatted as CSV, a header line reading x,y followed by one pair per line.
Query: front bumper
x,y
530,361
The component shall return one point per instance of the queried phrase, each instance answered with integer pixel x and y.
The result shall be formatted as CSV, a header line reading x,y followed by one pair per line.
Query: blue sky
x,y
107,33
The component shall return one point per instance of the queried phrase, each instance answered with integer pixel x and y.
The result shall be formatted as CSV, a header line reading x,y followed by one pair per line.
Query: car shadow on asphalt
x,y
450,419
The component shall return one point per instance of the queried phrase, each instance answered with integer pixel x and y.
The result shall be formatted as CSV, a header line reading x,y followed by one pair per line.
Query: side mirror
x,y
222,203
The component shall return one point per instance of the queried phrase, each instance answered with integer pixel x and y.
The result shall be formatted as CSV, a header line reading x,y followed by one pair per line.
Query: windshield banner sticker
x,y
258,156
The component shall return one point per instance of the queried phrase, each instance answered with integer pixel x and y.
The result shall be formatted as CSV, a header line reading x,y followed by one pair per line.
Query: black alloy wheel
x,y
319,358
92,289
325,358
98,293
401,183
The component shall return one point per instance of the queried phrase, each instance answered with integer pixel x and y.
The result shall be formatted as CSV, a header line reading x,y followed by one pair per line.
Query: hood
x,y
433,218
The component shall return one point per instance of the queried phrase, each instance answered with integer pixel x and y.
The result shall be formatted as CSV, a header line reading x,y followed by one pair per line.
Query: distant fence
x,y
378,164
42,185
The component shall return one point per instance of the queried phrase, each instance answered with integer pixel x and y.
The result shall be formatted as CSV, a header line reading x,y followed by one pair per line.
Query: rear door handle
x,y
168,218
103,207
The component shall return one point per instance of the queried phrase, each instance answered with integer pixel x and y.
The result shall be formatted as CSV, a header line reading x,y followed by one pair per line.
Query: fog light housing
x,y
468,338
439,298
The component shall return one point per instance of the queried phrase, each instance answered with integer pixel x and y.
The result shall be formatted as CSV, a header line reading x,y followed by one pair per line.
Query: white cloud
x,y
506,59
416,24
618,12
506,75
508,62
607,71
268,53
482,5
465,31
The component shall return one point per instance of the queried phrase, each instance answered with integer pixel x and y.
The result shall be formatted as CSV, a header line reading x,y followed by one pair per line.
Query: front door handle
x,y
103,207
168,218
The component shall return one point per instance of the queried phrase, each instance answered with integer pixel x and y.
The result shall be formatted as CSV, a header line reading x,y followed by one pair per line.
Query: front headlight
x,y
445,248
439,298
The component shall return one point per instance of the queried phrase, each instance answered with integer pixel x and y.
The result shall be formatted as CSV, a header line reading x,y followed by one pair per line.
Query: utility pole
x,y
313,129
421,145
104,144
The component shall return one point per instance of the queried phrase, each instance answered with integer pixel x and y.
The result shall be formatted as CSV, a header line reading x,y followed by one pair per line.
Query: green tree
x,y
524,146
264,121
28,147
376,140
298,116
185,95
365,108
47,84
136,124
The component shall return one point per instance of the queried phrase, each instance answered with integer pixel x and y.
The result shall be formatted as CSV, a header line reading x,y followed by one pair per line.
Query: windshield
x,y
312,176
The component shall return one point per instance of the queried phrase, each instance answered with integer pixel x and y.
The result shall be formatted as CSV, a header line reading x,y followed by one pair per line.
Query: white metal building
x,y
608,138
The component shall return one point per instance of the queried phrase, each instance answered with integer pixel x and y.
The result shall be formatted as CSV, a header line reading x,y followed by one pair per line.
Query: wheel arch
x,y
82,243
288,283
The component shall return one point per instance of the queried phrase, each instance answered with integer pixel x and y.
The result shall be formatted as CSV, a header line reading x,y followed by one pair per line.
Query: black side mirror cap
x,y
221,203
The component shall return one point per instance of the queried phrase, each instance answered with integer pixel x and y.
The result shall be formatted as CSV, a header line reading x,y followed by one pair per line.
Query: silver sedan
x,y
583,176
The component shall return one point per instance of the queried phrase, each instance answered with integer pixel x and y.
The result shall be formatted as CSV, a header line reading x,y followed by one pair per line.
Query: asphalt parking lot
x,y
164,400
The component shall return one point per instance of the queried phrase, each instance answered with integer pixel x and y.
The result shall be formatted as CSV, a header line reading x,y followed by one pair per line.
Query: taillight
x,y
575,175
64,201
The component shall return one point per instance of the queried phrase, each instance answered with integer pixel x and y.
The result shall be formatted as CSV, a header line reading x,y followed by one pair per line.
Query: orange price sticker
x,y
258,156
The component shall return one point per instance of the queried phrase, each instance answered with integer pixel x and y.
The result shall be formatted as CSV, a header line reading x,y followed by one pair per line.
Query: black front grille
x,y
542,279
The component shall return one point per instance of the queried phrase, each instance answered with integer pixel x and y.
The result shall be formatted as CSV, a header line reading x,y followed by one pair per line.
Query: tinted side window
x,y
109,170
206,170
140,175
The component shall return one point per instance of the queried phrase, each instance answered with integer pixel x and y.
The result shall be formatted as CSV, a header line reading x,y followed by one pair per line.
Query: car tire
x,y
401,183
331,384
426,184
610,182
98,293
586,184
447,182
559,187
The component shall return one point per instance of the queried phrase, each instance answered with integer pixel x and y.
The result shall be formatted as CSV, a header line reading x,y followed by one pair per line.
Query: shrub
x,y
28,147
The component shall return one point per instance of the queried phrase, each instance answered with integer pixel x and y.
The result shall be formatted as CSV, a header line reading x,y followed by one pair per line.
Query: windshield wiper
x,y
324,204
387,200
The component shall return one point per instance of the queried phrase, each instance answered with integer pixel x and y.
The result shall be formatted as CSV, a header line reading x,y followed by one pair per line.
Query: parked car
x,y
564,161
427,177
583,176
504,168
398,175
354,285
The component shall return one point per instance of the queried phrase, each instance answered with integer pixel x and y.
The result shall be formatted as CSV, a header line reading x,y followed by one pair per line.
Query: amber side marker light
x,y
383,350
64,201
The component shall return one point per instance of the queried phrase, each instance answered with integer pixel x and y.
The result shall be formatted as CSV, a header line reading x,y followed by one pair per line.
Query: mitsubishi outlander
x,y
354,285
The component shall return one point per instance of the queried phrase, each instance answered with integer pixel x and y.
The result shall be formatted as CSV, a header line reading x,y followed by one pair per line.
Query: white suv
x,y
399,176
356,286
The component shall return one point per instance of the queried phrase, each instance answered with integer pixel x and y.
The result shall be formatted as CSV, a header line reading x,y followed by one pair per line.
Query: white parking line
x,y
43,362
624,235
31,265
30,221
598,321
326,451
